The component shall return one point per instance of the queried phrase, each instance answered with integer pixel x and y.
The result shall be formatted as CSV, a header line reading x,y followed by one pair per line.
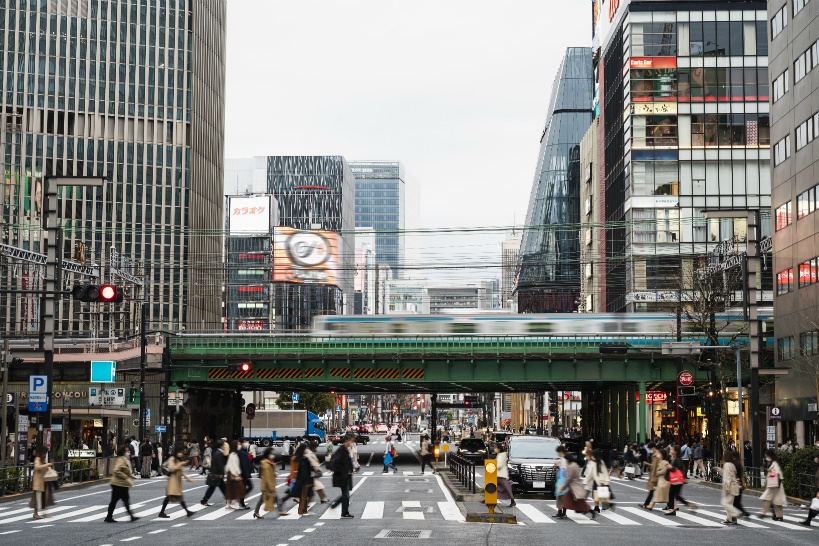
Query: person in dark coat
x,y
247,468
216,474
146,454
342,467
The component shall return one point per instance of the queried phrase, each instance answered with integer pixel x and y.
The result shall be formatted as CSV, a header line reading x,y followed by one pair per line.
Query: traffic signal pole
x,y
142,343
6,361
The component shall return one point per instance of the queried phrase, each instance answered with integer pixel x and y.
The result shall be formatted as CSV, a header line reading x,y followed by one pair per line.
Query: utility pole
x,y
377,294
143,310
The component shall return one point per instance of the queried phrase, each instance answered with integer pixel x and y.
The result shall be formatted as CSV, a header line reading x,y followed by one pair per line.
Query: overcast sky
x,y
457,90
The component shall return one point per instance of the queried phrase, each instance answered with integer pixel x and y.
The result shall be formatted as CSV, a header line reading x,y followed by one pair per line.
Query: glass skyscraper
x,y
133,91
380,203
549,275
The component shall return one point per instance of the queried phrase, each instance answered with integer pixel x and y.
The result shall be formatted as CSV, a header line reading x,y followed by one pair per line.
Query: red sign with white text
x,y
653,62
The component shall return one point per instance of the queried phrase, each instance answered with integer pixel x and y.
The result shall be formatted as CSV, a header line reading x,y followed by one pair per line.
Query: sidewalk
x,y
459,492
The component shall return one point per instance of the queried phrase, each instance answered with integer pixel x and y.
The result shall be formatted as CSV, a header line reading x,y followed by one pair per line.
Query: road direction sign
x,y
159,428
296,397
686,378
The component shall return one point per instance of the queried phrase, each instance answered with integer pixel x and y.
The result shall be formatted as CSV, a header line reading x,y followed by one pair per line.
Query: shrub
x,y
795,463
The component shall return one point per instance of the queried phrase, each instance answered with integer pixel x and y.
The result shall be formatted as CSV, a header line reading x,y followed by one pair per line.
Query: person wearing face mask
x,y
774,491
216,473
173,490
814,505
318,487
267,475
234,489
247,466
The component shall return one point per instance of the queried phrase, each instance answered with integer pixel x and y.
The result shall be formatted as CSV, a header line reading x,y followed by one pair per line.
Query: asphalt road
x,y
402,506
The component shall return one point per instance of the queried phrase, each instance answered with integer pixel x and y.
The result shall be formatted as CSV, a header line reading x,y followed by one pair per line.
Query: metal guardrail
x,y
805,486
16,480
378,343
464,471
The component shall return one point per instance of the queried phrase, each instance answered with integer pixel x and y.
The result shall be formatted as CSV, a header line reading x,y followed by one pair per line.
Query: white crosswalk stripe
x,y
29,513
534,514
449,510
582,519
721,517
373,510
617,518
651,516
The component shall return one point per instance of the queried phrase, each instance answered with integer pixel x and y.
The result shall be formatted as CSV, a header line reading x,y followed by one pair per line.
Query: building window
x,y
807,131
734,130
806,202
782,150
807,272
806,62
809,343
784,216
784,348
798,5
784,282
781,85
779,21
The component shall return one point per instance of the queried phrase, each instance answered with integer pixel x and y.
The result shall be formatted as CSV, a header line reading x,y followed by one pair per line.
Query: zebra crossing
x,y
528,513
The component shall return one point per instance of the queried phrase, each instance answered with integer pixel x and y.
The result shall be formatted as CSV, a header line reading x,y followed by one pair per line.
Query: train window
x,y
540,327
630,326
398,328
610,326
463,328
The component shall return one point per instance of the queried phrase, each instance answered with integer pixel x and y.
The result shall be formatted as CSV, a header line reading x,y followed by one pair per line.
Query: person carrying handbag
x,y
597,475
42,495
173,490
235,486
774,490
216,473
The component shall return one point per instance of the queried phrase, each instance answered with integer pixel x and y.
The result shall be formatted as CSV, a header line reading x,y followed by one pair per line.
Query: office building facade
x,y
315,212
682,93
548,279
380,203
510,250
134,92
794,58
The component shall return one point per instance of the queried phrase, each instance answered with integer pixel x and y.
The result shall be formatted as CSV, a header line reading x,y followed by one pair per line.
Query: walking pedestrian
x,y
696,455
504,485
207,456
747,454
560,481
41,492
575,494
389,454
676,479
267,477
741,478
121,482
342,467
814,505
685,456
146,455
315,465
247,469
730,487
285,452
173,490
234,483
651,448
194,453
661,488
774,492
426,453
597,475
216,473
303,484
133,447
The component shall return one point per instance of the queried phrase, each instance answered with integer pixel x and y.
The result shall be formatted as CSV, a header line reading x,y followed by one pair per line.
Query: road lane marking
x,y
31,512
609,514
643,513
373,510
534,514
575,517
450,512
702,521
740,521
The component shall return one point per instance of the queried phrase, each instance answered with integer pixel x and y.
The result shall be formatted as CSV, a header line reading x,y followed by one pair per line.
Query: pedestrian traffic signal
x,y
470,400
106,293
490,484
132,395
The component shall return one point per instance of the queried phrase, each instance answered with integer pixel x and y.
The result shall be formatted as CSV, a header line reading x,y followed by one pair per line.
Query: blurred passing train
x,y
518,325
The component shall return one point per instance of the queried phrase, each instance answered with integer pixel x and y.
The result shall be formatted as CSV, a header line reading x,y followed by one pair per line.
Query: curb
x,y
455,490
795,501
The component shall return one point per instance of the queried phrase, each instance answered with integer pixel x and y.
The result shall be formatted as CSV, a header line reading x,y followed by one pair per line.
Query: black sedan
x,y
473,449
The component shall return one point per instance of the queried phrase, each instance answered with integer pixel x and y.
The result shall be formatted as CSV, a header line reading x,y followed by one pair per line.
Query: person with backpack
x,y
120,483
389,455
173,490
698,470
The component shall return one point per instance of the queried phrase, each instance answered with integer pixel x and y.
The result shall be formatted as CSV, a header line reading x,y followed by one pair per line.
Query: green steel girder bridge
x,y
418,364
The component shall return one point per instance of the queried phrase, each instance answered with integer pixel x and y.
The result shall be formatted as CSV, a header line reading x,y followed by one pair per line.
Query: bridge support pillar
x,y
606,407
632,414
623,410
641,410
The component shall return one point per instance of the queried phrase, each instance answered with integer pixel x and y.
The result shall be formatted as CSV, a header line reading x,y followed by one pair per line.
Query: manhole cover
x,y
413,509
413,480
391,533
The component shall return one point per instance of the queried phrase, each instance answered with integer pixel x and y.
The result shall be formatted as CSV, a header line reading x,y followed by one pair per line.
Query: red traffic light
x,y
108,293
245,367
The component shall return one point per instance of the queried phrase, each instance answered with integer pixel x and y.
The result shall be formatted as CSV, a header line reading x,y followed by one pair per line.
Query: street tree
x,y
316,402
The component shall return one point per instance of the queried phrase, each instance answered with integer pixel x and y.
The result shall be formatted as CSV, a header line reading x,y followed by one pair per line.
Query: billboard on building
x,y
305,256
251,214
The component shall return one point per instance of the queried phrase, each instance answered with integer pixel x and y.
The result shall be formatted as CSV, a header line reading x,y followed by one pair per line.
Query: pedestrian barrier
x,y
17,479
805,486
464,471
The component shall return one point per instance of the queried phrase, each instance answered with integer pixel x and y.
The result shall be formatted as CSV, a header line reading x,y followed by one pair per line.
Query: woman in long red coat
x,y
575,497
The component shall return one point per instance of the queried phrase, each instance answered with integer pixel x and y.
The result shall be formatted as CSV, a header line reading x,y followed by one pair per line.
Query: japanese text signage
x,y
250,214
37,393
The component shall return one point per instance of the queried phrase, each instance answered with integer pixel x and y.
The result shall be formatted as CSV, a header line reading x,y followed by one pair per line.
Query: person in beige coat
x,y
318,487
658,471
730,488
121,482
41,497
774,490
267,476
173,491
652,473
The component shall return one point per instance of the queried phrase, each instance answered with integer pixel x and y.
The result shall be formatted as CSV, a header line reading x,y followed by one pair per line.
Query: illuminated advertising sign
x,y
305,256
249,214
653,62
255,324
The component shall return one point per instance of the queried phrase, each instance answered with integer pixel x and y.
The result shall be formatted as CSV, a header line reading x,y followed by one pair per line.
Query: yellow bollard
x,y
490,484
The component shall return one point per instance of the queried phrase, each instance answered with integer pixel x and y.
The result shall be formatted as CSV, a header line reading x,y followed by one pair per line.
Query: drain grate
x,y
413,509
417,480
394,533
